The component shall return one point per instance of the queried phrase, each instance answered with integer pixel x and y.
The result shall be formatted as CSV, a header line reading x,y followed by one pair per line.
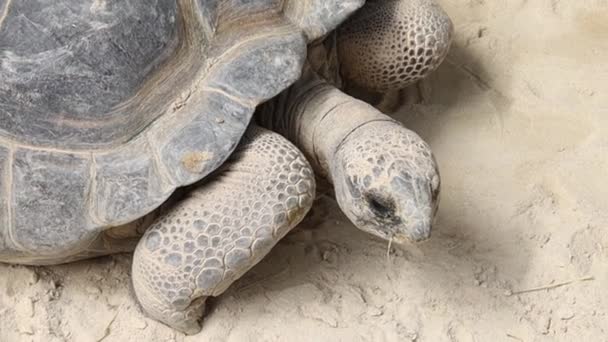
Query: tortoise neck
x,y
318,118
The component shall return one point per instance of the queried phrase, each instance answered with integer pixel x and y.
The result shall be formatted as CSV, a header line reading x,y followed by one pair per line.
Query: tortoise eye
x,y
381,207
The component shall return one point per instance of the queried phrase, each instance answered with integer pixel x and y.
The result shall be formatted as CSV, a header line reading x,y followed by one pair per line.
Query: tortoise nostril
x,y
382,207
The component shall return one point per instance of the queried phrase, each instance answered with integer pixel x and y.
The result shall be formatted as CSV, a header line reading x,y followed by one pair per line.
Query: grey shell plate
x,y
107,107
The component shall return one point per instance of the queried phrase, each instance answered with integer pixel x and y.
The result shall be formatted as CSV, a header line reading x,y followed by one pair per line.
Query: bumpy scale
x,y
390,44
222,229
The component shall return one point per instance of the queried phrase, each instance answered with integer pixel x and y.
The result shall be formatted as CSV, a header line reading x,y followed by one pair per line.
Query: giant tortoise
x,y
108,108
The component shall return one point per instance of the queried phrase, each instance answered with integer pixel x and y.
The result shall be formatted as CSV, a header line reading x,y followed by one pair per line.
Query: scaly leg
x,y
222,229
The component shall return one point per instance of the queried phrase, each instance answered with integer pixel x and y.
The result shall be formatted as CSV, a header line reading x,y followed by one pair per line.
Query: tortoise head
x,y
387,182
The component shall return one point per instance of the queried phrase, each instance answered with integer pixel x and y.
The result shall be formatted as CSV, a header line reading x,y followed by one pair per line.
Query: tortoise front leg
x,y
225,226
390,44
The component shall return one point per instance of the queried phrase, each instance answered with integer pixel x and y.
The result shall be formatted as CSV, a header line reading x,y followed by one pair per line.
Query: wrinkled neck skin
x,y
311,114
323,59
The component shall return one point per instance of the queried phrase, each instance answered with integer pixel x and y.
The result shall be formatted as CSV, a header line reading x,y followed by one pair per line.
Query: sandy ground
x,y
518,119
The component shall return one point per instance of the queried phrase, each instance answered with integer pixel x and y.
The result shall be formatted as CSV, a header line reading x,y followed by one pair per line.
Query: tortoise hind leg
x,y
222,229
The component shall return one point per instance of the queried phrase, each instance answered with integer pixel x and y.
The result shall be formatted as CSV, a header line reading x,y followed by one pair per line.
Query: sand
x,y
518,119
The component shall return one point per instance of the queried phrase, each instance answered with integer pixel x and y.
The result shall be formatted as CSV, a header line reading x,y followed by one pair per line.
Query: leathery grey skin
x,y
385,176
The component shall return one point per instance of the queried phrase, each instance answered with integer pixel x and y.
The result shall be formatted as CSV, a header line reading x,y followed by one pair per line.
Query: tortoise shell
x,y
106,107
